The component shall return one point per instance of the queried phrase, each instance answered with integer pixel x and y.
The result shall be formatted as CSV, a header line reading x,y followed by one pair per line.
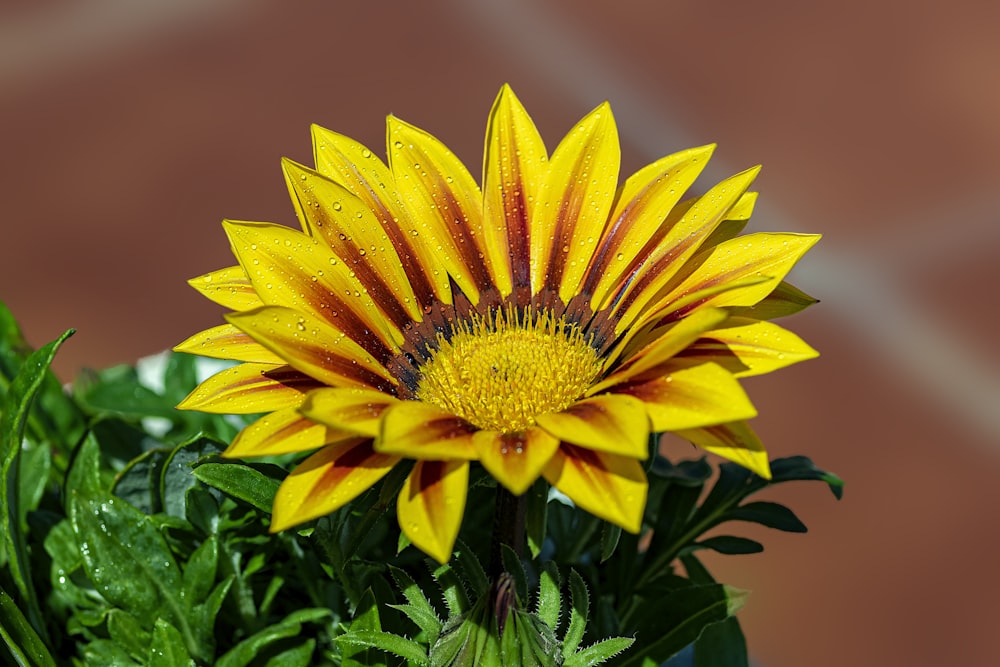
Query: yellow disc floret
x,y
500,373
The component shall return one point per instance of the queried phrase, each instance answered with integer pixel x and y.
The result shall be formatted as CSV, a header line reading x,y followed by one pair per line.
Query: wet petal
x,y
282,432
431,505
574,204
611,423
748,347
421,431
250,388
327,480
692,397
608,486
734,441
359,170
742,258
228,342
665,345
229,288
313,347
443,196
659,265
515,459
347,409
331,212
290,269
513,172
637,221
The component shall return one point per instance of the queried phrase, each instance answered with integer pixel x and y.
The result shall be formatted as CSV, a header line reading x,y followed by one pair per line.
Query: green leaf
x,y
471,570
419,610
730,544
14,408
202,509
167,647
405,648
117,391
128,633
106,653
178,474
670,621
126,557
139,482
455,596
772,515
365,619
549,598
297,656
610,534
33,477
243,482
512,565
598,653
579,612
528,642
247,650
199,573
56,421
722,644
24,644
795,468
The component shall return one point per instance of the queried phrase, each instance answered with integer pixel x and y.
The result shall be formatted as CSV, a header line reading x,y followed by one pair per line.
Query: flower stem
x,y
508,528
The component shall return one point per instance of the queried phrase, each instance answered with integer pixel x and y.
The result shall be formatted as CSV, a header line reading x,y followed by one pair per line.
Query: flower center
x,y
499,374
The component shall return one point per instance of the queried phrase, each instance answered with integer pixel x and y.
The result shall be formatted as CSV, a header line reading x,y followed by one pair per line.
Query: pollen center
x,y
500,373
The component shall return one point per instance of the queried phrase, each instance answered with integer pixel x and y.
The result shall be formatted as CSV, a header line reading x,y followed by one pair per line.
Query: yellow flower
x,y
543,325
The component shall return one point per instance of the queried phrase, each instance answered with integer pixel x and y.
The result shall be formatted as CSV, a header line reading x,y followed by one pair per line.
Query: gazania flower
x,y
542,325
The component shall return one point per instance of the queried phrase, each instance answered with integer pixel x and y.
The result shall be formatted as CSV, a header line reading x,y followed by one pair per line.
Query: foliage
x,y
127,540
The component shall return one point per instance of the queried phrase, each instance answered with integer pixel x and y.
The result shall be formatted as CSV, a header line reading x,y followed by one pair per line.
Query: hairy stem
x,y
508,528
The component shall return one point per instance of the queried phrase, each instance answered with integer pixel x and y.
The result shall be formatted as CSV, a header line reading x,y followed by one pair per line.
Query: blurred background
x,y
129,129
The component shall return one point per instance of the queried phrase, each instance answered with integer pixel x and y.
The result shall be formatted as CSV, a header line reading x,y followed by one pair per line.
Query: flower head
x,y
542,325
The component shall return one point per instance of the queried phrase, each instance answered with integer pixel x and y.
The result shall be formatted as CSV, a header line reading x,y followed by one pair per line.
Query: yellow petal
x,y
742,258
250,388
331,212
786,299
644,203
573,207
613,423
282,432
290,269
608,486
313,347
665,345
421,431
228,342
513,171
347,409
692,397
748,347
327,480
431,505
228,287
734,441
677,246
515,459
443,196
351,164
664,313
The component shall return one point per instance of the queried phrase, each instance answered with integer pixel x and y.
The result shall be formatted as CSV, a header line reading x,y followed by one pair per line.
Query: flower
x,y
544,325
